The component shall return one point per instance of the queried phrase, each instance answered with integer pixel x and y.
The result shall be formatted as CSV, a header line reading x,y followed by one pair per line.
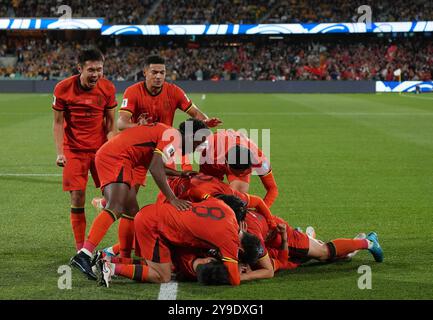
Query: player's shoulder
x,y
107,86
173,88
136,87
65,84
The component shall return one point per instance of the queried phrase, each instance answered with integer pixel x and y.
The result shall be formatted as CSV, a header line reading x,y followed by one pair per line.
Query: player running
x,y
148,145
84,107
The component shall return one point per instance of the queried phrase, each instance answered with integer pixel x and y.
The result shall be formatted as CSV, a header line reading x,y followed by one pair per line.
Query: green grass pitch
x,y
343,163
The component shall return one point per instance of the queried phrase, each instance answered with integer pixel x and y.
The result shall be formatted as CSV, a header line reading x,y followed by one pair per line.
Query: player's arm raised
x,y
58,137
157,169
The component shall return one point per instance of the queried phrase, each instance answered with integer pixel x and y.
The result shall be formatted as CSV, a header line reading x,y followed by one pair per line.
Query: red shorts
x,y
148,242
298,243
76,170
139,174
110,171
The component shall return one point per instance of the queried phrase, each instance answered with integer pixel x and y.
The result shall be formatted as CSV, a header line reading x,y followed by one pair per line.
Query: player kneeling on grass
x,y
210,224
150,146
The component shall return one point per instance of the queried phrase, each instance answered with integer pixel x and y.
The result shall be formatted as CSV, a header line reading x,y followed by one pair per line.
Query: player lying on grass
x,y
230,153
289,247
199,187
151,146
210,224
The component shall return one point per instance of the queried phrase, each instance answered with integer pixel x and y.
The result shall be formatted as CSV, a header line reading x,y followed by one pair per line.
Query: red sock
x,y
137,272
78,222
126,260
99,228
126,235
116,248
342,247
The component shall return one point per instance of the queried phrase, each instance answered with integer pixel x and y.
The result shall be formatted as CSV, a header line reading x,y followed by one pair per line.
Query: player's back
x,y
138,144
208,224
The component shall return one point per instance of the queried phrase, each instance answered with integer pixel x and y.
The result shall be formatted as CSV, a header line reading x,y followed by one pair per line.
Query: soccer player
x,y
152,100
230,153
300,247
148,145
84,107
210,224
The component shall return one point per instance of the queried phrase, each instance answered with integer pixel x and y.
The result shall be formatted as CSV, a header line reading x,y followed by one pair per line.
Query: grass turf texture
x,y
343,163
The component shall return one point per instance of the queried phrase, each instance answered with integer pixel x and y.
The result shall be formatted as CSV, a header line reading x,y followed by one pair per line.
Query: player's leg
x,y
126,224
340,248
116,195
78,216
75,176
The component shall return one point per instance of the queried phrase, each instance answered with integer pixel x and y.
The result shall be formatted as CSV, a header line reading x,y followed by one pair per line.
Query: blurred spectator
x,y
369,59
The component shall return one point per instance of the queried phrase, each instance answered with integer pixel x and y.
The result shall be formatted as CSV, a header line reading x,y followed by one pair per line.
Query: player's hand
x,y
212,122
144,119
188,173
61,160
244,268
282,229
181,205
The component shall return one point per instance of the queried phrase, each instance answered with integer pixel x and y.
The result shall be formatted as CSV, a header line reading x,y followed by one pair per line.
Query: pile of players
x,y
200,227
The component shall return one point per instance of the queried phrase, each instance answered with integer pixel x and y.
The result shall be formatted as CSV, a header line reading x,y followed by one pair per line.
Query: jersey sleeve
x,y
59,103
129,102
182,101
111,99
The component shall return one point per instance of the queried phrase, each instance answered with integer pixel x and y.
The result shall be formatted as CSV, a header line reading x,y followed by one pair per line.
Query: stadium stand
x,y
223,11
319,58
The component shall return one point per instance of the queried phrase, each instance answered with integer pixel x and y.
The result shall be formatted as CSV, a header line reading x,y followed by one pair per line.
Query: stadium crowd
x,y
224,11
376,59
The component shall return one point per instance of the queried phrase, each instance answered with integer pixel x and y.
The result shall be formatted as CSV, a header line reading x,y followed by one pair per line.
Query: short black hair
x,y
154,59
239,158
237,205
253,249
196,126
213,273
92,54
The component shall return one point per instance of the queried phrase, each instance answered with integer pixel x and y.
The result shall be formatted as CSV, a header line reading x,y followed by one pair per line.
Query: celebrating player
x,y
83,108
152,100
211,224
148,145
230,153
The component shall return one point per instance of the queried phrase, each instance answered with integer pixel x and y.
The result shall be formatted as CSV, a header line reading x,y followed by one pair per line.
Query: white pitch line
x,y
168,291
417,97
30,175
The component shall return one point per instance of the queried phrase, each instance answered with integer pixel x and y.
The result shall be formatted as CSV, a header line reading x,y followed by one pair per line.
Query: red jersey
x,y
199,187
138,144
210,224
213,160
161,107
84,112
257,225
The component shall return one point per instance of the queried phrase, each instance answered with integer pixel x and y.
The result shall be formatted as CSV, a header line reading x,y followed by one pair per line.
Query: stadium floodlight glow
x,y
50,24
